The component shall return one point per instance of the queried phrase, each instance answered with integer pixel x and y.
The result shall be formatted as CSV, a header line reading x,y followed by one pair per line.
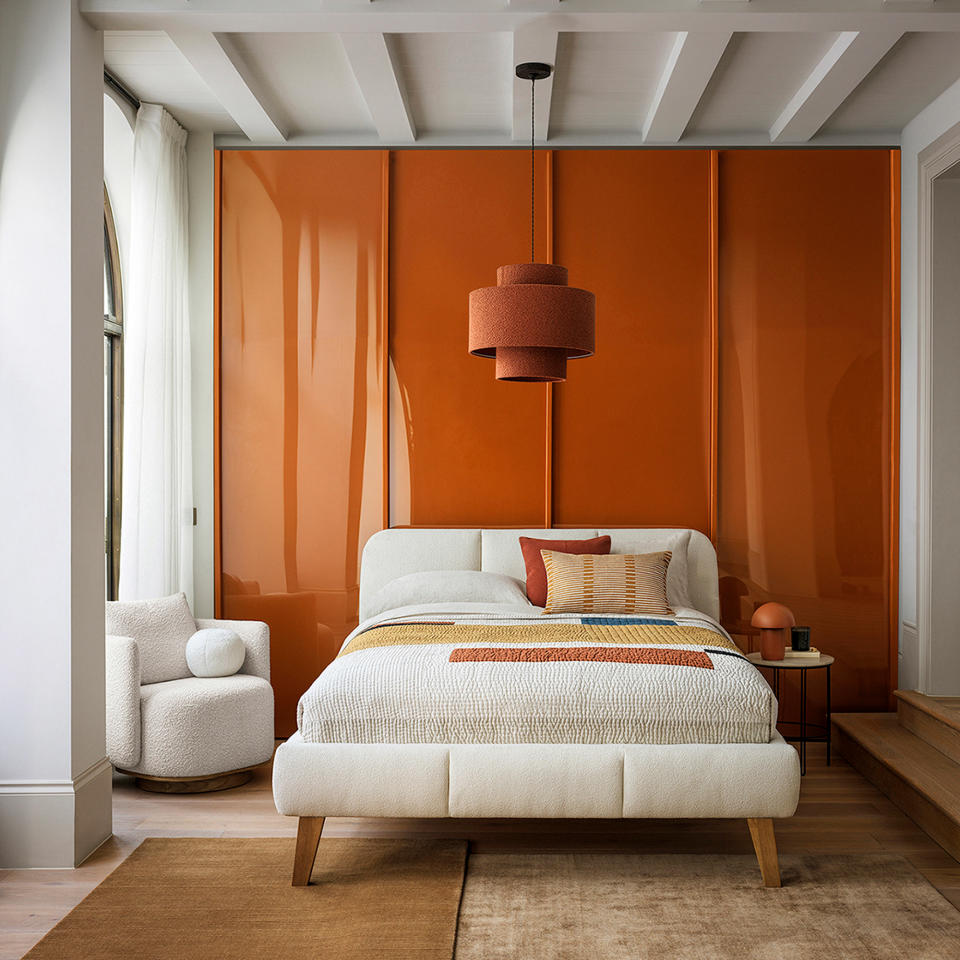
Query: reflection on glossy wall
x,y
806,341
300,403
465,449
634,227
801,484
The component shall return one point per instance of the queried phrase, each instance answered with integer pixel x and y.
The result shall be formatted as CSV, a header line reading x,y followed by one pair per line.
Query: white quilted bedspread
x,y
451,683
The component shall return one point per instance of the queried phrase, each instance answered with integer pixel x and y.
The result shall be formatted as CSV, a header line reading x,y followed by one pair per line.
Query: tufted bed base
x,y
756,782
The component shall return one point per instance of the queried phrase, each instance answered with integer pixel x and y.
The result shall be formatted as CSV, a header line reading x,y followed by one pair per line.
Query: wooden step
x,y
932,720
917,777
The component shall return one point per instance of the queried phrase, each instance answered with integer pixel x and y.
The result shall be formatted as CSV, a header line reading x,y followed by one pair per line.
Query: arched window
x,y
112,398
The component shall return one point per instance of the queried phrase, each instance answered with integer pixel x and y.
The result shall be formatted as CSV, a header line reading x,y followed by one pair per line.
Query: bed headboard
x,y
396,552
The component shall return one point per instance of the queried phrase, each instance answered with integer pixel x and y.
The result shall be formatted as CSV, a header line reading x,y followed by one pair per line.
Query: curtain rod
x,y
114,84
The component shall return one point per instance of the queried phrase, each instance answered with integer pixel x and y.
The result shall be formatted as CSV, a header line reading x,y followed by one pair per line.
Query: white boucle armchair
x,y
179,733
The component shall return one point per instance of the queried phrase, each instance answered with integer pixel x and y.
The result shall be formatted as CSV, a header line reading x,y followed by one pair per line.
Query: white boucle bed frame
x,y
312,781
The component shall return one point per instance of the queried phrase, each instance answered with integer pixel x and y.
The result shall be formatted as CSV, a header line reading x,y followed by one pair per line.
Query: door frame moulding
x,y
936,158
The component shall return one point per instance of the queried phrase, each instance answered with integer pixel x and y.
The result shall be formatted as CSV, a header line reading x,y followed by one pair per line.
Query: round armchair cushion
x,y
203,726
215,652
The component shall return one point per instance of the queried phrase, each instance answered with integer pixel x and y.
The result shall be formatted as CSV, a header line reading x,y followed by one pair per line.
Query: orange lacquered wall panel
x,y
744,382
301,387
465,450
807,350
631,424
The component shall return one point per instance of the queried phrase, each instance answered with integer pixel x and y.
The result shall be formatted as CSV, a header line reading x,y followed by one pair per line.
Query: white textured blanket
x,y
483,674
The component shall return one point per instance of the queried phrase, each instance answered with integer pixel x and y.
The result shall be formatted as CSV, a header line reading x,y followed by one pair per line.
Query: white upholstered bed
x,y
327,769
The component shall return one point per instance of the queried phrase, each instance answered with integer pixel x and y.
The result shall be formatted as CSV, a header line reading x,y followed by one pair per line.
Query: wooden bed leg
x,y
765,845
308,839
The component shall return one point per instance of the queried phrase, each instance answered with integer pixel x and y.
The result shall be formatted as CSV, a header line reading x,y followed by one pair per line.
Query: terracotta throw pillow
x,y
618,583
537,575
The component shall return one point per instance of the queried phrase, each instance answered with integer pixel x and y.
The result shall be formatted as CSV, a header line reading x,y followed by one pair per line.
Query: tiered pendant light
x,y
531,322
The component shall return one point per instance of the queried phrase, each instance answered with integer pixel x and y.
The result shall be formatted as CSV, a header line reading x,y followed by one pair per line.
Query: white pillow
x,y
676,541
161,628
215,652
678,574
448,586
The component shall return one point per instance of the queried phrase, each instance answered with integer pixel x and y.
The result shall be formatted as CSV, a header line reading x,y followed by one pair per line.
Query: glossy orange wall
x,y
744,382
301,387
807,341
465,450
633,226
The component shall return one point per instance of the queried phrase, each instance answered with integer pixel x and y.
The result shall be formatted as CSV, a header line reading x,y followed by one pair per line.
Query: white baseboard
x,y
55,823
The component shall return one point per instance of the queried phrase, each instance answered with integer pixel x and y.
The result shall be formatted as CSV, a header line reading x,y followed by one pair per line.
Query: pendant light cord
x,y
533,179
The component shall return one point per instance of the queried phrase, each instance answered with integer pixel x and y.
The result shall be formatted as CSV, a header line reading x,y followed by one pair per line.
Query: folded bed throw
x,y
436,677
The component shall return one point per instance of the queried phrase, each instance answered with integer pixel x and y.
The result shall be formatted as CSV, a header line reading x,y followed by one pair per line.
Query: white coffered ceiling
x,y
630,72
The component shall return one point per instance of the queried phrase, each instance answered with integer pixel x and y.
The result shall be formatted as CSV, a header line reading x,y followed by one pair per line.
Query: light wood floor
x,y
839,812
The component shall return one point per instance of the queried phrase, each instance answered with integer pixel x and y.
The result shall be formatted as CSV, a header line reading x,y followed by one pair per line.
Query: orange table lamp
x,y
774,621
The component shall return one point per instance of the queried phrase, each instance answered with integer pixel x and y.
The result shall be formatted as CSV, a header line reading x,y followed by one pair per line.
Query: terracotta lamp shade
x,y
774,621
531,322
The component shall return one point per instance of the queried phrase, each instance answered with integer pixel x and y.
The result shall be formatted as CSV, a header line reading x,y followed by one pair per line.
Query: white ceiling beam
x,y
222,69
534,43
539,6
376,73
486,16
692,62
850,58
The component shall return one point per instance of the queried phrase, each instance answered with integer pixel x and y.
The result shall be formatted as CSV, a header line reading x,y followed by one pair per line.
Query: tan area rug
x,y
220,898
625,907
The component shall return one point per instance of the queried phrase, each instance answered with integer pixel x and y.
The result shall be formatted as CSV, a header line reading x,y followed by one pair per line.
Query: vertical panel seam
x,y
894,560
217,395
714,311
383,322
548,439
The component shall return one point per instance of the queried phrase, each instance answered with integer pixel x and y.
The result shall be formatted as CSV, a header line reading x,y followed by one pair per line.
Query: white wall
x,y
200,185
926,127
54,776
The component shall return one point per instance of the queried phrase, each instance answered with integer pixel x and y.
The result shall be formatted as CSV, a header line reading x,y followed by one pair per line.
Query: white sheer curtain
x,y
156,539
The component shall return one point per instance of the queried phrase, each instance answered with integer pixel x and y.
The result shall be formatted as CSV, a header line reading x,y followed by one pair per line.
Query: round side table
x,y
803,664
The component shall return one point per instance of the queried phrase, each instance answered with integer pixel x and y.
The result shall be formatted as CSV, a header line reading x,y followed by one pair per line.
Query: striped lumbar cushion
x,y
618,583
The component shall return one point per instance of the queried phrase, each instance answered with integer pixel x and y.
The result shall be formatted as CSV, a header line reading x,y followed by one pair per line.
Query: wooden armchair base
x,y
761,832
218,781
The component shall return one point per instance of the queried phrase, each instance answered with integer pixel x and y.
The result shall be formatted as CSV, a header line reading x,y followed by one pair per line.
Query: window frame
x,y
113,418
